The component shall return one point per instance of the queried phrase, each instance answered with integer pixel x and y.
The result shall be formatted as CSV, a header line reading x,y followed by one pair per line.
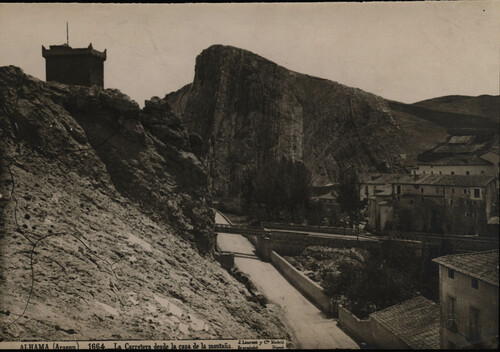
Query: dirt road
x,y
219,219
312,329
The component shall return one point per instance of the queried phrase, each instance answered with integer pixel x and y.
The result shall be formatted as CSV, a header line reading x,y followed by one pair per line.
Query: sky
x,y
404,51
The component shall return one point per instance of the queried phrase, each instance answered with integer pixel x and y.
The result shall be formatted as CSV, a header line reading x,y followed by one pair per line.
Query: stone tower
x,y
79,66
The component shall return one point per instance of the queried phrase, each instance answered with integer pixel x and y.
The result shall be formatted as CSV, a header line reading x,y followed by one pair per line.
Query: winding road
x,y
313,330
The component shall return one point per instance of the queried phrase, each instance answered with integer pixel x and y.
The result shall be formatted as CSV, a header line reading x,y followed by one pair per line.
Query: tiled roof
x,y
480,265
385,192
459,148
446,180
415,322
460,139
494,220
378,179
325,196
494,149
457,160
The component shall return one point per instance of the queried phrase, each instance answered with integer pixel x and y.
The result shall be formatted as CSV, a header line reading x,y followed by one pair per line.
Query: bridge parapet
x,y
310,228
240,230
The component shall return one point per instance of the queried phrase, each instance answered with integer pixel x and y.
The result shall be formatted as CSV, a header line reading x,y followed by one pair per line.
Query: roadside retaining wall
x,y
225,259
305,285
356,327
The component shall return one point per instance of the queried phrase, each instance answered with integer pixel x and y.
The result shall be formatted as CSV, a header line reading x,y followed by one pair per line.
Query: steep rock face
x,y
248,109
103,215
147,153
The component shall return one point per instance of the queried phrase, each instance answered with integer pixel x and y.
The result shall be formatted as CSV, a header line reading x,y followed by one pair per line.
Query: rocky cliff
x,y
248,109
105,223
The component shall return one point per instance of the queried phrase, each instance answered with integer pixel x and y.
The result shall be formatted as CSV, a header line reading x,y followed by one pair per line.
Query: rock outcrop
x,y
248,109
106,229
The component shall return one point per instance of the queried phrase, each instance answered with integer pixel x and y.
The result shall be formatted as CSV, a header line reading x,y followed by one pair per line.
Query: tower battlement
x,y
78,66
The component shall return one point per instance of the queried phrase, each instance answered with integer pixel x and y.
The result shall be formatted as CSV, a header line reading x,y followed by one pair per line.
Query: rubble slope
x,y
105,223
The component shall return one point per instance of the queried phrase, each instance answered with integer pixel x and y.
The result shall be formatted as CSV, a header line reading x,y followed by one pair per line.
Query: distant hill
x,y
453,122
425,124
483,105
419,134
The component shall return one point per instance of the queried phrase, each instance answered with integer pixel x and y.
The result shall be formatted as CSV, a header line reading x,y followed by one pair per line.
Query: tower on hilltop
x,y
79,66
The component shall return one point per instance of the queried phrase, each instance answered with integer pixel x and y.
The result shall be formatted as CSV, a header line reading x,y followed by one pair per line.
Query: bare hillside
x,y
105,223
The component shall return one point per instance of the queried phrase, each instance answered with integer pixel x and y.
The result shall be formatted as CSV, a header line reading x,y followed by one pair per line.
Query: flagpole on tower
x,y
67,34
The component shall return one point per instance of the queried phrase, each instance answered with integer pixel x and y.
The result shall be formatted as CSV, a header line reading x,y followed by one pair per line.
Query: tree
x,y
348,194
278,190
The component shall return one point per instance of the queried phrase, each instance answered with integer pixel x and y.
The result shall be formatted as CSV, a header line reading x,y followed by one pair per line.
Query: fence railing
x,y
310,228
438,236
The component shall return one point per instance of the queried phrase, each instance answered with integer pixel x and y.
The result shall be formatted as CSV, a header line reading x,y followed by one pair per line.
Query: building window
x,y
467,173
432,172
453,172
477,193
452,302
482,172
411,201
465,190
451,273
440,173
451,317
399,189
474,283
451,201
475,332
421,189
366,190
453,190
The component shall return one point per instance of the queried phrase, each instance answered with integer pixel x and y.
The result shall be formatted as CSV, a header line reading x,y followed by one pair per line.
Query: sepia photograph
x,y
318,175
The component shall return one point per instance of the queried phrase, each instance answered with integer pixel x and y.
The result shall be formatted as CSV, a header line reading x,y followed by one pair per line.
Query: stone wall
x,y
305,285
369,331
358,328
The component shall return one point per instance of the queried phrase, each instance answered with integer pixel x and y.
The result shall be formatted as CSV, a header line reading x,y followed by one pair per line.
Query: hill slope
x,y
248,110
453,122
104,212
483,105
427,123
418,134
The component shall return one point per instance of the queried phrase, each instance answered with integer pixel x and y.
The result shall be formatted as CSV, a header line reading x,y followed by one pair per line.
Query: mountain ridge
x,y
248,109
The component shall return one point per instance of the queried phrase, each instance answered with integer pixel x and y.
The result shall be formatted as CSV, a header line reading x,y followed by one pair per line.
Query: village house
x,y
444,203
377,189
457,165
468,294
461,155
435,203
375,184
330,208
